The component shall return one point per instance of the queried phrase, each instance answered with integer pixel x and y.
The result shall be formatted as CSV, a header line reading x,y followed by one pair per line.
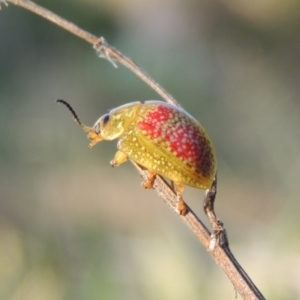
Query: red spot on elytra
x,y
173,129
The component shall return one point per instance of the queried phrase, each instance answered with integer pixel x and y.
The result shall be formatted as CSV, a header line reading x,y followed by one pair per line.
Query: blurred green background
x,y
71,227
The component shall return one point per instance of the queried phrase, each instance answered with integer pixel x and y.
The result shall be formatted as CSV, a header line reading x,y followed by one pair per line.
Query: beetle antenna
x,y
76,118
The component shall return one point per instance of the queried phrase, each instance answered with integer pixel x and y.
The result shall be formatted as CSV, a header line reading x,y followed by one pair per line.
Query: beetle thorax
x,y
112,125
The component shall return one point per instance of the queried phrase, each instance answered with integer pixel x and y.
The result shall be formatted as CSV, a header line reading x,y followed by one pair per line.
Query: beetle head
x,y
111,125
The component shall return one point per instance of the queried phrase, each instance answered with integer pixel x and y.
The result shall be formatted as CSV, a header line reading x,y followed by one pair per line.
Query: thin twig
x,y
221,252
112,54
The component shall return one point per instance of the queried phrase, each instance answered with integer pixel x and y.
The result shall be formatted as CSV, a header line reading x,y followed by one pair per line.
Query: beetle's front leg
x,y
119,158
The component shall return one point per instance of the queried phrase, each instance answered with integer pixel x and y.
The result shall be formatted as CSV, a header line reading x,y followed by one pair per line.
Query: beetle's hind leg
x,y
181,208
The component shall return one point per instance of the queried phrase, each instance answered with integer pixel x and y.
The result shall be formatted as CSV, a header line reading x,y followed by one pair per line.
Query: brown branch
x,y
219,250
103,48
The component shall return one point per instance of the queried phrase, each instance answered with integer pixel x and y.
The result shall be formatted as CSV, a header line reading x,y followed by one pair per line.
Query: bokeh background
x,y
71,227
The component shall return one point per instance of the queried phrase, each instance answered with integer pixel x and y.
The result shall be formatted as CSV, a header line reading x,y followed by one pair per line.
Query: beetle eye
x,y
97,128
105,119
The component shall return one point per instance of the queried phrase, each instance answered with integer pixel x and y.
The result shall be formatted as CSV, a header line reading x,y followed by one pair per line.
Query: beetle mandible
x,y
162,138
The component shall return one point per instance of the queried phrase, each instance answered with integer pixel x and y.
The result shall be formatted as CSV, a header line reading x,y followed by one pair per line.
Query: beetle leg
x,y
181,208
148,184
119,158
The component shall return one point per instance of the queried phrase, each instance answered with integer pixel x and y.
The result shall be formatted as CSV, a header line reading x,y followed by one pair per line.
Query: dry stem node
x,y
101,48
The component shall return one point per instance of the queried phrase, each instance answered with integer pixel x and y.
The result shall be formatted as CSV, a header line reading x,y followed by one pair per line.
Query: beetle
x,y
160,137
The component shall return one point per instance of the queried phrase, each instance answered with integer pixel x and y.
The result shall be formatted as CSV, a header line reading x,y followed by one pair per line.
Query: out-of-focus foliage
x,y
73,228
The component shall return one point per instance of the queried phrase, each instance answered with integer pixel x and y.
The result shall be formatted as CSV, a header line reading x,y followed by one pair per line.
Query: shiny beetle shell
x,y
162,138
